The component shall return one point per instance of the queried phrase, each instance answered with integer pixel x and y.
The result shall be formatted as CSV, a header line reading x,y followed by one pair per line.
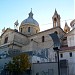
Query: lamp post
x,y
57,51
56,41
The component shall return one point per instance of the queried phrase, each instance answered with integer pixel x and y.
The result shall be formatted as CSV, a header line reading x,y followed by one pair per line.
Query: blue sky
x,y
43,10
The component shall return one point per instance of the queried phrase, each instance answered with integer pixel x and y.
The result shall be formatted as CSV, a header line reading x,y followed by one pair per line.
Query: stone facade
x,y
45,69
29,38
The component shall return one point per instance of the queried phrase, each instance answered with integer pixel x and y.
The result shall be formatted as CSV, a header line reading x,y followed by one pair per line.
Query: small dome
x,y
66,28
30,20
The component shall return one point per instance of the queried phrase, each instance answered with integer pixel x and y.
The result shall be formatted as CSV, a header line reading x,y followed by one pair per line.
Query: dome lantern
x,y
30,20
31,14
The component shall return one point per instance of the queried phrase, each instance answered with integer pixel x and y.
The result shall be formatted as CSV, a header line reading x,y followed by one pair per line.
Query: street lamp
x,y
57,51
56,48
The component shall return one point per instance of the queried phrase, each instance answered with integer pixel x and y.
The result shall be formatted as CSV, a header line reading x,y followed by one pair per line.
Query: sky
x,y
43,10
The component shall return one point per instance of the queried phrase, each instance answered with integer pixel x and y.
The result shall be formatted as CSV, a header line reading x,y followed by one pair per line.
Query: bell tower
x,y
56,19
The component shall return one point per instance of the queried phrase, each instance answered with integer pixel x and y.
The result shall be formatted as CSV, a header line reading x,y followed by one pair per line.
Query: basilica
x,y
39,44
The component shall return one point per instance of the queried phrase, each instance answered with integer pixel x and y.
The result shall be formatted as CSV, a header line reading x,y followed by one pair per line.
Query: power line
x,y
61,21
52,23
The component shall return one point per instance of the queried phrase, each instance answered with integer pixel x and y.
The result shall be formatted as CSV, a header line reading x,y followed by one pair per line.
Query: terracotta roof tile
x,y
67,48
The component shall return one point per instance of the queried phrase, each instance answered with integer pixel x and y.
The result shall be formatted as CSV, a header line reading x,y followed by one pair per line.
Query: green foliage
x,y
19,63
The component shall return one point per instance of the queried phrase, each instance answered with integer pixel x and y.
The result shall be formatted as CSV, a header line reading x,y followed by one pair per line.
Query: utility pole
x,y
57,51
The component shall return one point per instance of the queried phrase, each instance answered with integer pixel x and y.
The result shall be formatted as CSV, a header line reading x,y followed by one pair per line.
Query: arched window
x,y
55,22
21,29
28,29
6,40
61,55
56,32
43,38
70,54
36,31
55,19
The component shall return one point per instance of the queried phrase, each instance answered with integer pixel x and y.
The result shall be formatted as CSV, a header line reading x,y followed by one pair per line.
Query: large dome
x,y
30,20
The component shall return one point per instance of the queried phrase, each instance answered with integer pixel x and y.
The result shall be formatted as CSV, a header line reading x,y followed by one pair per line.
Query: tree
x,y
19,64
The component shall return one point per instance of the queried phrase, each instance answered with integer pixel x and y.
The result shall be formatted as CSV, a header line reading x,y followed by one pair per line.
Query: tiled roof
x,y
67,48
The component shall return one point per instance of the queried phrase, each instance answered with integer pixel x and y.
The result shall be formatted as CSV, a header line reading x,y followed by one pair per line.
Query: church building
x,y
39,44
